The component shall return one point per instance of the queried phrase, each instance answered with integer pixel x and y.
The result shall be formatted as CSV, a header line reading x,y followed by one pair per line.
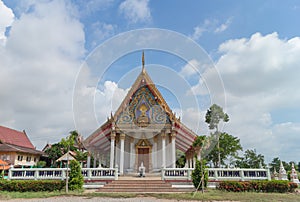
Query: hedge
x,y
31,185
279,186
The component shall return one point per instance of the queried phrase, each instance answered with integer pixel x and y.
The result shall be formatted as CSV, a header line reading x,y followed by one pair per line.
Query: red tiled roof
x,y
15,137
9,148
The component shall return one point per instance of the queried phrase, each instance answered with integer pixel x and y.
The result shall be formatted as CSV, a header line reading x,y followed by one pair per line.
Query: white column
x,y
122,138
173,135
163,142
132,153
100,160
112,149
154,152
88,164
95,160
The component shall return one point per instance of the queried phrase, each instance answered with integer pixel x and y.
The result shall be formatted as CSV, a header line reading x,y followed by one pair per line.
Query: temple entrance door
x,y
143,156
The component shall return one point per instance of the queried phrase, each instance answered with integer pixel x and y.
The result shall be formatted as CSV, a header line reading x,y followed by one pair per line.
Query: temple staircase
x,y
144,186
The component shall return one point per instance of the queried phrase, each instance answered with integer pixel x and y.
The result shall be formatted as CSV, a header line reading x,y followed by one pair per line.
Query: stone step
x,y
144,186
138,186
144,190
138,182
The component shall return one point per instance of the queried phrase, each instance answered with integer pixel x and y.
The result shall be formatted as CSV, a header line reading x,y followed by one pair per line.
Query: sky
x,y
248,64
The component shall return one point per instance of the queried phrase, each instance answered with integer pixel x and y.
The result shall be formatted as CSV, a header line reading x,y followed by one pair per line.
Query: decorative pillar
x,y
163,139
173,136
122,138
112,148
154,152
294,175
132,153
282,173
88,163
95,160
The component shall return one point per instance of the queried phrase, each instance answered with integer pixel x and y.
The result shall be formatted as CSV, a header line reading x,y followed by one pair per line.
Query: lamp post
x,y
67,174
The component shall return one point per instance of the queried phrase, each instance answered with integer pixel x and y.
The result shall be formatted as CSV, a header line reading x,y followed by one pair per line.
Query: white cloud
x,y
223,26
191,68
136,10
200,29
38,66
210,26
102,31
108,100
6,20
260,75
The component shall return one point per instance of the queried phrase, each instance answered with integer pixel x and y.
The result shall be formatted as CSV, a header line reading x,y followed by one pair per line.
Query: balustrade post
x,y
162,173
216,174
268,174
10,173
63,174
36,172
189,174
116,172
89,174
242,175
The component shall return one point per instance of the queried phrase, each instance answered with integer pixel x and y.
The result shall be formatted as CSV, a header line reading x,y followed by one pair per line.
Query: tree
x,y
54,152
213,117
251,160
229,147
198,145
200,175
180,156
276,164
76,179
73,142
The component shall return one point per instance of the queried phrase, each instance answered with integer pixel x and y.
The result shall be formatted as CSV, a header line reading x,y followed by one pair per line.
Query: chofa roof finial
x,y
143,62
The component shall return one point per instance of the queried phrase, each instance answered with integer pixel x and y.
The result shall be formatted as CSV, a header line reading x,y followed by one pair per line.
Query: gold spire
x,y
143,62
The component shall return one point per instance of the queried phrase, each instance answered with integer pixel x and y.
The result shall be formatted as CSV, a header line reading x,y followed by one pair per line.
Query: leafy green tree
x,y
180,156
276,164
213,116
229,147
76,179
41,164
72,142
198,145
54,152
251,160
200,175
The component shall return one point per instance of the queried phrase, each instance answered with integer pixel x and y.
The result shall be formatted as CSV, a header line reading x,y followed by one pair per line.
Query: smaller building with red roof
x,y
16,149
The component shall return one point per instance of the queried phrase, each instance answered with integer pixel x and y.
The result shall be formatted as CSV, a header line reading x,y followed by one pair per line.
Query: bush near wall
x,y
279,186
31,185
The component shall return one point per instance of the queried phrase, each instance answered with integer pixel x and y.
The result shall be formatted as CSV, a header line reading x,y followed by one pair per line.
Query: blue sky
x,y
254,46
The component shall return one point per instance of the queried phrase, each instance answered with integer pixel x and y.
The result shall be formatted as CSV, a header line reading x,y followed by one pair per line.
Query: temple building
x,y
143,130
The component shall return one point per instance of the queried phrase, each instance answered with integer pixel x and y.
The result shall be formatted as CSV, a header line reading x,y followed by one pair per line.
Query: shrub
x,y
41,164
31,185
258,186
198,173
76,179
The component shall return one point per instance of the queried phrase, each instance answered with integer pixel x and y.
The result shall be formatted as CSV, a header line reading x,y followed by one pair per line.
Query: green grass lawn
x,y
209,195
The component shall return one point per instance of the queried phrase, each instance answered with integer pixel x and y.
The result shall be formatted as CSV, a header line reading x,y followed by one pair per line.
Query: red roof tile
x,y
15,137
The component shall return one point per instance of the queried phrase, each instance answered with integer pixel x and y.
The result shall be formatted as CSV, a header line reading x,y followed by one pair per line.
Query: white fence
x,y
218,174
60,173
214,174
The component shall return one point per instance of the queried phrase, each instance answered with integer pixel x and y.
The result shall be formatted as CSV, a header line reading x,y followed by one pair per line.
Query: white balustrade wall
x,y
60,173
218,174
214,174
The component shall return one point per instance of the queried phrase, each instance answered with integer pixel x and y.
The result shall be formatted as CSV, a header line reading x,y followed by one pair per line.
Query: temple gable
x,y
143,109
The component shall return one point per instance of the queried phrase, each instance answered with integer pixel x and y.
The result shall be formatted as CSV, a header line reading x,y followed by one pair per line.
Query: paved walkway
x,y
95,199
